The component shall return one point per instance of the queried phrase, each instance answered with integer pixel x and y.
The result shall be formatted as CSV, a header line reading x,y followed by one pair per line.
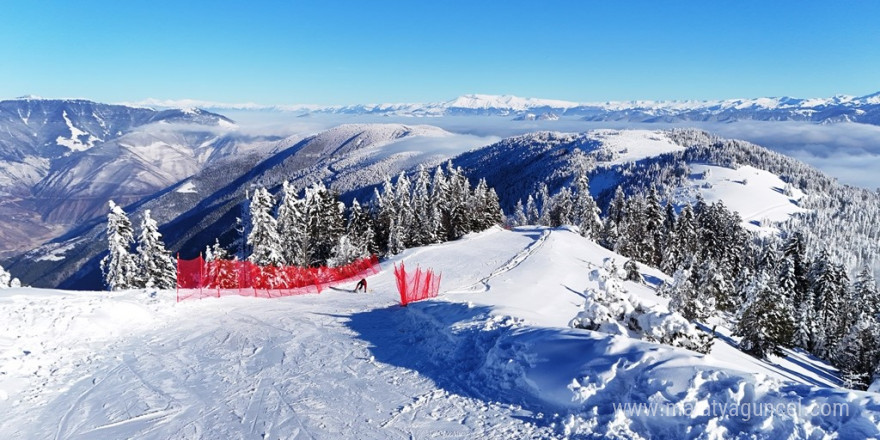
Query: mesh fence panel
x,y
416,286
198,278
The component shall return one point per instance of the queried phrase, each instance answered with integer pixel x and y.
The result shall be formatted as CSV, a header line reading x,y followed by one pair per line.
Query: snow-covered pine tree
x,y
7,280
324,222
692,301
396,236
586,212
762,321
544,203
478,206
632,272
519,214
795,250
157,267
617,207
532,215
403,210
119,266
424,227
710,283
360,229
561,209
263,238
437,206
456,198
292,227
633,241
221,269
382,210
828,284
655,218
494,215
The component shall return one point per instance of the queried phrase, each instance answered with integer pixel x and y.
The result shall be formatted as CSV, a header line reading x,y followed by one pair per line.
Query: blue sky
x,y
346,52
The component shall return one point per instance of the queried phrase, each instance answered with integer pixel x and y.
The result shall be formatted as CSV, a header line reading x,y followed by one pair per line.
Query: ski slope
x,y
492,357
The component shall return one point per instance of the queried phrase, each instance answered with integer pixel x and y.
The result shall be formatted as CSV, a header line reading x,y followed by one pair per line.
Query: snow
x,y
634,145
55,251
492,357
757,195
75,142
477,101
188,187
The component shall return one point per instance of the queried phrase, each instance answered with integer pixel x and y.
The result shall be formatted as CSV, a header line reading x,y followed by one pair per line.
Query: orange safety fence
x,y
197,279
416,287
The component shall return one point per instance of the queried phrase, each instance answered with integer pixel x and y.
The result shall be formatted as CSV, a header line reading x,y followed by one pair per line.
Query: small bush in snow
x,y
7,280
607,310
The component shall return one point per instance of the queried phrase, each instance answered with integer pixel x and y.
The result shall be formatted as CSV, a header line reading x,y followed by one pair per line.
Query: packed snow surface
x,y
761,198
492,357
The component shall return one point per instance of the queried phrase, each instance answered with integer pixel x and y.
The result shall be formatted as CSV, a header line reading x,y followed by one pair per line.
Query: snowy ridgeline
x,y
493,357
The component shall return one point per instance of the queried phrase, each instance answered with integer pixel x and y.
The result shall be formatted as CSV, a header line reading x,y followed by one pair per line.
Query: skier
x,y
361,283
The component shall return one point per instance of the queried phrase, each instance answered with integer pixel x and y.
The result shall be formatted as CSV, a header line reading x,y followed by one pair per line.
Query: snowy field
x,y
492,357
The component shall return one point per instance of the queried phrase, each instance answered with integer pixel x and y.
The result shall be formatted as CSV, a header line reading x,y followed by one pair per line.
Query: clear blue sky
x,y
346,52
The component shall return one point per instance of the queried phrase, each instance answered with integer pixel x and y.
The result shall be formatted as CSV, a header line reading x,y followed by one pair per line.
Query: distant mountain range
x,y
863,109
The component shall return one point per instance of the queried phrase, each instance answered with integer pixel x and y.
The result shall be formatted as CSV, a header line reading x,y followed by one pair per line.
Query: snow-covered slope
x,y
491,358
761,198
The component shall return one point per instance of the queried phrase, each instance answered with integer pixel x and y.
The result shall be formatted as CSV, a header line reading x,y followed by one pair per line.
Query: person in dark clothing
x,y
361,283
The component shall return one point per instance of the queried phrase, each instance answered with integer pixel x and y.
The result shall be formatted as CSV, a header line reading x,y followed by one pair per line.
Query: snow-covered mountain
x,y
61,160
863,109
200,208
767,189
493,357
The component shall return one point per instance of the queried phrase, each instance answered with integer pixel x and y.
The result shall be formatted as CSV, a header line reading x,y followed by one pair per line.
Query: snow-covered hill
x,y
492,357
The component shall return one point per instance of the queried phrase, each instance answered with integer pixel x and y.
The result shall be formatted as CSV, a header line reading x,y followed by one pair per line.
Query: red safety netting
x,y
198,278
416,287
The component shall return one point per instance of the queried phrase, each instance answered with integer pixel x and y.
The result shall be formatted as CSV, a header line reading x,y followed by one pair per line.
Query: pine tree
x,y
561,208
586,212
404,213
543,199
478,205
119,267
437,206
157,267
396,235
519,214
632,272
493,215
655,218
425,229
795,250
360,230
324,223
828,285
532,215
456,203
692,301
762,324
263,238
292,228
